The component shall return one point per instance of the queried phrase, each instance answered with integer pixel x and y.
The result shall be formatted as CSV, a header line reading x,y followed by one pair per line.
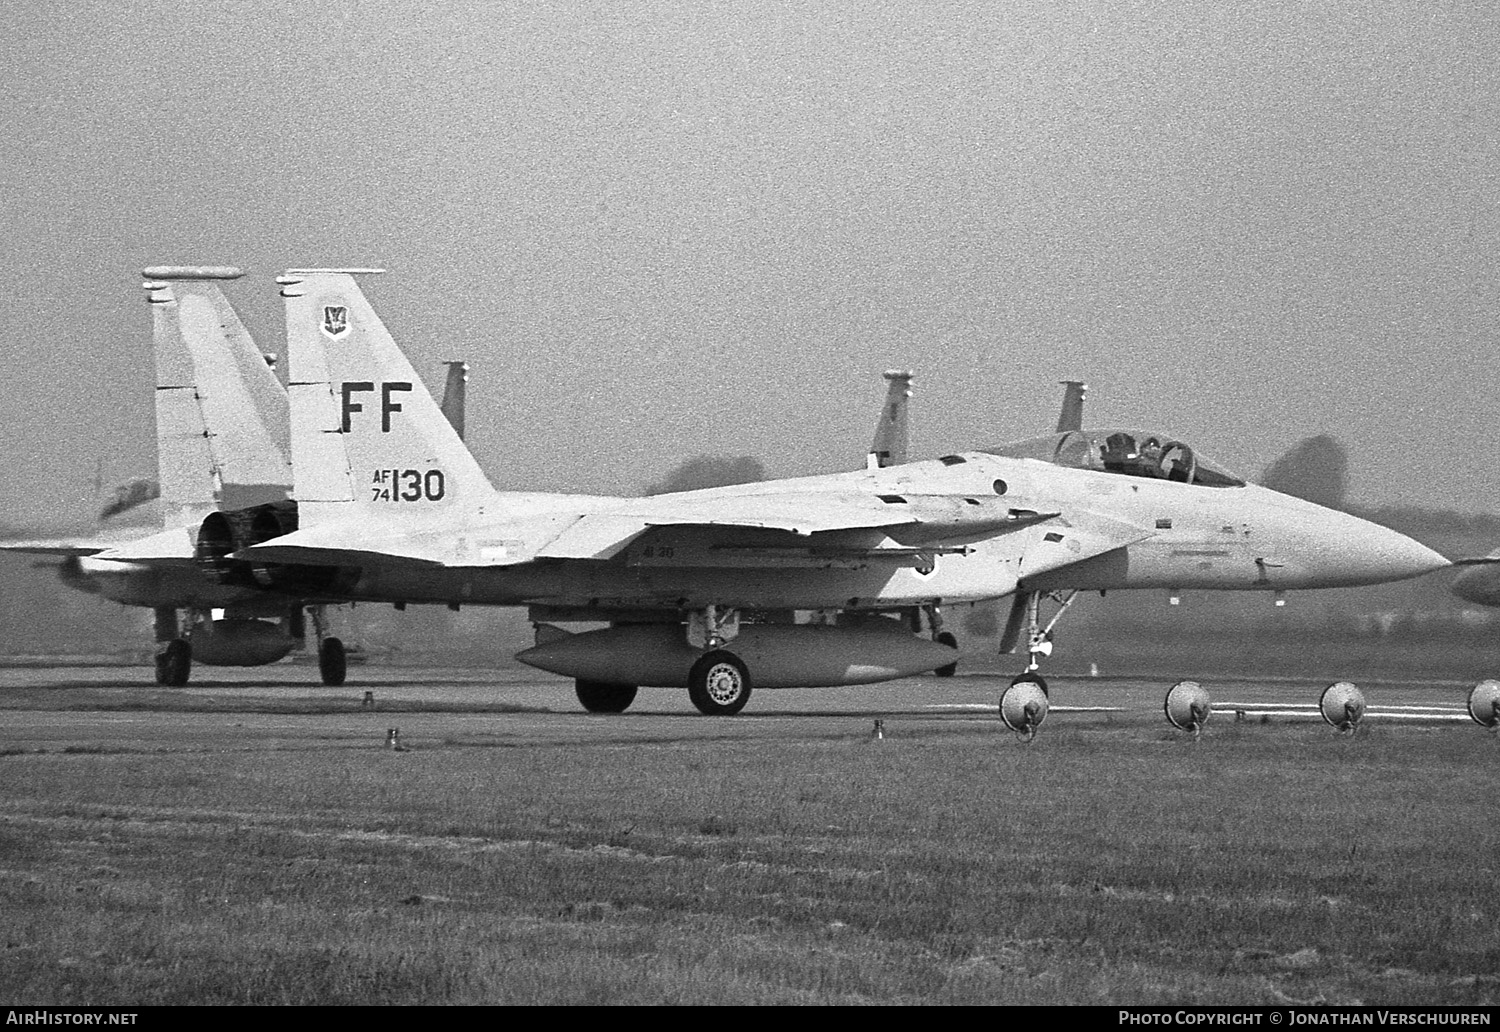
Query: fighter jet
x,y
892,447
219,407
390,506
221,418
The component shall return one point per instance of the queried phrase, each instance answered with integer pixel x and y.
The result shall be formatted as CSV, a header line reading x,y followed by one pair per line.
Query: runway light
x,y
1343,706
1484,704
1187,707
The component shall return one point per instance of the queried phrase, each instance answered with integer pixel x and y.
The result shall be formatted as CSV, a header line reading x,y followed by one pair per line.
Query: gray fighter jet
x,y
390,506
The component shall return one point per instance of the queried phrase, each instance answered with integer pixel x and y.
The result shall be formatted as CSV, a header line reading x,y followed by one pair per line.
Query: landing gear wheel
x,y
174,663
600,697
947,638
719,684
333,661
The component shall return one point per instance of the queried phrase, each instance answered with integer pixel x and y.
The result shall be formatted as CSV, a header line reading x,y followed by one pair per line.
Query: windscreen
x,y
1128,452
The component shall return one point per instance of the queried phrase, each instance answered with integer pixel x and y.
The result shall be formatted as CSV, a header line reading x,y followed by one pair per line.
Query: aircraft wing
x,y
910,519
605,532
63,548
570,534
603,535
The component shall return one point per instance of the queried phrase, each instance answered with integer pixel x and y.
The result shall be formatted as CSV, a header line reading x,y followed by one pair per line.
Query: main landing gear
x,y
719,684
949,639
333,662
601,697
942,637
174,654
913,617
718,681
333,658
174,663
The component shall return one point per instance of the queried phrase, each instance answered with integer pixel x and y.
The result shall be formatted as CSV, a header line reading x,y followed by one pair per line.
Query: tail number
x,y
407,485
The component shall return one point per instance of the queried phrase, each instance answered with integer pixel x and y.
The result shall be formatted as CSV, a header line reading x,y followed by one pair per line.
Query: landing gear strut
x,y
1023,706
942,637
174,663
174,654
719,682
333,659
1027,608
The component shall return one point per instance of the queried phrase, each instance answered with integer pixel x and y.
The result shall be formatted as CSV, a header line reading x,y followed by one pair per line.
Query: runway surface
x,y
284,706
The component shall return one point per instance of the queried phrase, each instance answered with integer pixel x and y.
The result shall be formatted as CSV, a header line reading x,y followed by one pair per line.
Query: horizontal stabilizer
x,y
101,541
174,545
42,547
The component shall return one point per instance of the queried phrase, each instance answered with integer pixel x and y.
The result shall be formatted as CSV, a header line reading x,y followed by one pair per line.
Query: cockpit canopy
x,y
1132,453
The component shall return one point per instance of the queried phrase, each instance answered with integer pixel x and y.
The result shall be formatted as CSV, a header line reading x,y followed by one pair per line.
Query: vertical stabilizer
x,y
367,436
1071,416
892,436
219,407
453,394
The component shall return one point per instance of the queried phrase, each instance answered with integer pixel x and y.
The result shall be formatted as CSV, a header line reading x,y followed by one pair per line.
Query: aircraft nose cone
x,y
1376,554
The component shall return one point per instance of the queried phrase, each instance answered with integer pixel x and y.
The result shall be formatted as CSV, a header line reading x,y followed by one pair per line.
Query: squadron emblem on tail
x,y
335,321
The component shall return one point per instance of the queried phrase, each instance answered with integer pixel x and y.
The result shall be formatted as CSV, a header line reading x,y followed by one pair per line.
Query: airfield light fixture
x,y
1187,707
1343,706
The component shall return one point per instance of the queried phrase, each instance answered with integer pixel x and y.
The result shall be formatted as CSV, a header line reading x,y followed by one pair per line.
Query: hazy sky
x,y
657,230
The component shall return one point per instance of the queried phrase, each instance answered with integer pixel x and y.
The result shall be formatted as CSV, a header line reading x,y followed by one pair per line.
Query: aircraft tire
x,y
947,638
719,684
602,697
333,661
174,664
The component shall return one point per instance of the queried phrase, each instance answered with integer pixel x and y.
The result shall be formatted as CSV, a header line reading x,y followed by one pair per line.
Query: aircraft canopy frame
x,y
1125,451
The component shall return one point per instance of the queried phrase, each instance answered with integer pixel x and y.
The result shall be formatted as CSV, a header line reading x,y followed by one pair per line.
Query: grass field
x,y
949,863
